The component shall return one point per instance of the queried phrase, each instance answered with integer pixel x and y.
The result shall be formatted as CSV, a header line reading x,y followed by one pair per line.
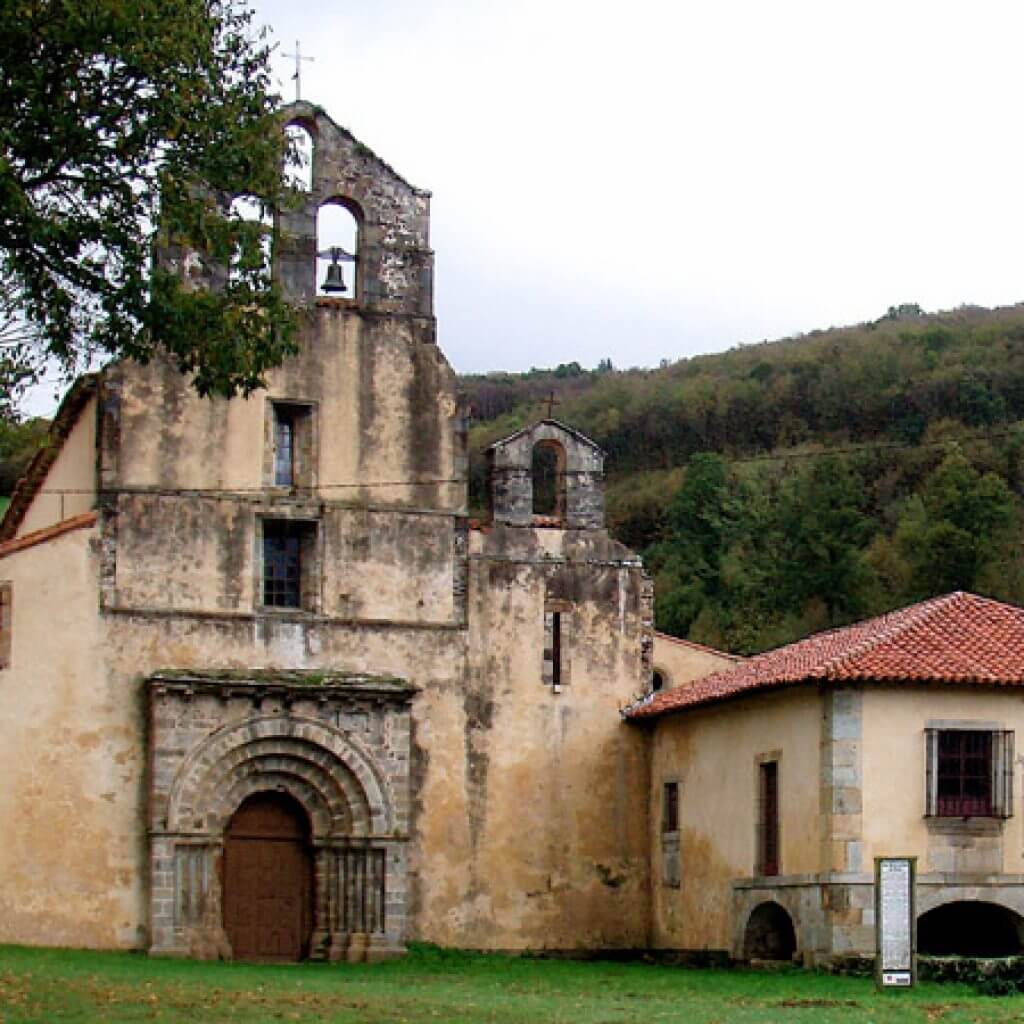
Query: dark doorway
x,y
268,879
969,928
769,934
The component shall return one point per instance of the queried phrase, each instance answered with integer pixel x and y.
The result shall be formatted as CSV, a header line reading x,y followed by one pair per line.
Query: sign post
x,y
895,920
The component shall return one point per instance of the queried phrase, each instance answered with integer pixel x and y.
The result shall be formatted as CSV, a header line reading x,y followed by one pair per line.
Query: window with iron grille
x,y
768,819
969,773
289,559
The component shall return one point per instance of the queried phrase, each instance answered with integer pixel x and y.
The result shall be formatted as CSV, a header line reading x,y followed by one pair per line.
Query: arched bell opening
x,y
970,928
337,249
298,158
548,477
769,934
268,889
250,261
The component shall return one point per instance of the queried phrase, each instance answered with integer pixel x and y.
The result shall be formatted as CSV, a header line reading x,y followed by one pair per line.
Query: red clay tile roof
x,y
957,638
30,540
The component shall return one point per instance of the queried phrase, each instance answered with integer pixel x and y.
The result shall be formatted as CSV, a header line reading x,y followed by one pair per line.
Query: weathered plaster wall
x,y
383,397
70,486
532,832
894,782
71,760
712,753
680,661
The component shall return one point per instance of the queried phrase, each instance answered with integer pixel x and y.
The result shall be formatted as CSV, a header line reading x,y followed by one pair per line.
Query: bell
x,y
335,281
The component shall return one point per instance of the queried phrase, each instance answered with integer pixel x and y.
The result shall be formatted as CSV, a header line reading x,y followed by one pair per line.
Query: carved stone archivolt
x,y
337,744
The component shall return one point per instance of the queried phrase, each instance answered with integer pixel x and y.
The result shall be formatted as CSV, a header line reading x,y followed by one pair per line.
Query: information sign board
x,y
895,964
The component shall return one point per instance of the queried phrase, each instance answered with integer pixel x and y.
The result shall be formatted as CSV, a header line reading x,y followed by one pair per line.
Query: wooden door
x,y
268,879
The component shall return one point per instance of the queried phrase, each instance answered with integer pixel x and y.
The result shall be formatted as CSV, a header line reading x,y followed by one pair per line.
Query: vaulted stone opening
x,y
303,773
969,928
769,934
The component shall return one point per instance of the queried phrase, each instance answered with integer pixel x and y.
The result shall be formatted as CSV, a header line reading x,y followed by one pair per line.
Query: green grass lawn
x,y
431,985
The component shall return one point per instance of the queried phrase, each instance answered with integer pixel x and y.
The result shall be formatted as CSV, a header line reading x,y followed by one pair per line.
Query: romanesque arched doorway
x,y
268,879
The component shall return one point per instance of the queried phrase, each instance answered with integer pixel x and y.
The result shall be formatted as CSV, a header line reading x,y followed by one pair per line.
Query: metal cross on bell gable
x,y
334,283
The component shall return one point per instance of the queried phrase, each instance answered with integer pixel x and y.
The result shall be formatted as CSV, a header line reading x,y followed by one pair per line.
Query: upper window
x,y
969,773
556,634
5,625
292,444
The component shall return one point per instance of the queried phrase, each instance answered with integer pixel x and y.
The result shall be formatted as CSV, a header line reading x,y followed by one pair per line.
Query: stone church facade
x,y
261,636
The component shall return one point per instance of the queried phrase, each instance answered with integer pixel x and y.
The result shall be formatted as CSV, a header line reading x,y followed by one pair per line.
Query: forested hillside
x,y
785,487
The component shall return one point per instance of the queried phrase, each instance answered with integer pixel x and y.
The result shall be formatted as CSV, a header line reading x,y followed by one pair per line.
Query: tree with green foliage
x,y
824,531
949,531
700,519
121,121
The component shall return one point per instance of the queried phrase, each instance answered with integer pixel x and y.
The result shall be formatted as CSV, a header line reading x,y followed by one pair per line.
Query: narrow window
x,y
289,555
556,644
548,473
337,245
5,625
670,870
768,819
292,445
670,807
657,680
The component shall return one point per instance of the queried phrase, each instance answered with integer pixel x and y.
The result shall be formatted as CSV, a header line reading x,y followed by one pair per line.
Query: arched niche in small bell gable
x,y
299,153
338,228
547,475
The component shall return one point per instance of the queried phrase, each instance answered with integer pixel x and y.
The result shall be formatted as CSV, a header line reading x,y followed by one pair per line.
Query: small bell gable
x,y
547,475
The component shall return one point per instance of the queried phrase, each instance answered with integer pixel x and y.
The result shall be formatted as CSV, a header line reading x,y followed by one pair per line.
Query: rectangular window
x,y
289,560
5,625
291,456
768,819
969,773
670,807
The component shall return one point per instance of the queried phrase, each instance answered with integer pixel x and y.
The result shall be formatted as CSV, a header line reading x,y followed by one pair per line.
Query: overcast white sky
x,y
649,180
646,180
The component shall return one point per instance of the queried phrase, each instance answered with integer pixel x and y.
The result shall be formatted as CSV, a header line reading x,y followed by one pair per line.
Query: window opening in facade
x,y
337,244
288,560
556,643
657,681
969,773
5,624
670,807
768,819
293,443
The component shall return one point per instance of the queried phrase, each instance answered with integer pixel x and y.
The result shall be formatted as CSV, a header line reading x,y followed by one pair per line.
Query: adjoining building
x,y
776,784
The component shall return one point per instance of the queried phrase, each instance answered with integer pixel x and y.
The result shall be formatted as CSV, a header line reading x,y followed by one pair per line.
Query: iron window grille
x,y
969,773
